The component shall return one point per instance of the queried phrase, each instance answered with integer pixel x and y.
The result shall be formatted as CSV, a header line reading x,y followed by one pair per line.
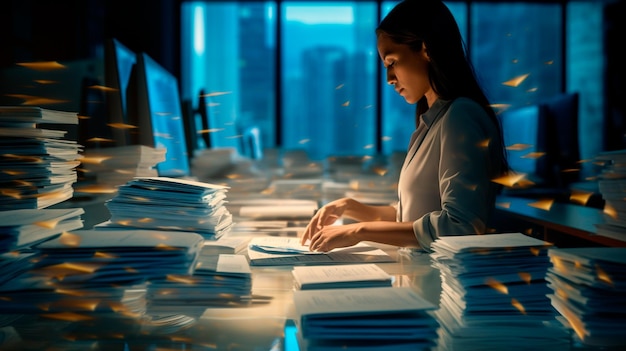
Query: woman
x,y
445,185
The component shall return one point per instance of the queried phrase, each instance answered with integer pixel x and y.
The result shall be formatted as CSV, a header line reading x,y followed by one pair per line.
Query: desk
x,y
259,326
565,225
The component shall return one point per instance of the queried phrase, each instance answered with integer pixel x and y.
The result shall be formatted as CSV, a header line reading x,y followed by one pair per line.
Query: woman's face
x,y
407,70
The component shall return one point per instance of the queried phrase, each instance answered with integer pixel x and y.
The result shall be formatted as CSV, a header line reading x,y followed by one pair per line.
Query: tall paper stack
x,y
163,203
494,293
93,284
37,165
382,318
612,186
114,166
589,285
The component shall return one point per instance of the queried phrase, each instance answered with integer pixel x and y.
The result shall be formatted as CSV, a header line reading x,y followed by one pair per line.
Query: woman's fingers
x,y
330,219
326,215
315,241
308,231
313,226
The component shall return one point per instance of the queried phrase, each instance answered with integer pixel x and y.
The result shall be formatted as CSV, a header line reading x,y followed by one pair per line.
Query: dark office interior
x,y
280,108
77,31
74,30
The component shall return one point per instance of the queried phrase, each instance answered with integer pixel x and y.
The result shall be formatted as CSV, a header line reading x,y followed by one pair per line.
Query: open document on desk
x,y
275,251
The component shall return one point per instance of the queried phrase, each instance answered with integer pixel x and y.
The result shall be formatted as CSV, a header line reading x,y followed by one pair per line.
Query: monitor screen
x,y
119,64
523,130
159,115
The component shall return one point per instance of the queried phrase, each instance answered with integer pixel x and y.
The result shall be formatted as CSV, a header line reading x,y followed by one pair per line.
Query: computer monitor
x,y
119,64
561,113
93,130
196,122
524,132
157,108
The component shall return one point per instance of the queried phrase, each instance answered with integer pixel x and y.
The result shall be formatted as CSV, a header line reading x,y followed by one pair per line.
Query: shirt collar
x,y
429,117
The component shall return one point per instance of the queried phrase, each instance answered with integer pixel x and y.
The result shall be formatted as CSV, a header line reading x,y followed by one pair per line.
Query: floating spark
x,y
30,100
515,82
518,305
545,204
42,66
498,286
121,126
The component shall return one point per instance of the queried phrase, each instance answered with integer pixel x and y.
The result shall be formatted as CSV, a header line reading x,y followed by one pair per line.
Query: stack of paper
x,y
612,186
272,209
364,319
80,315
374,198
333,190
9,338
74,304
227,244
170,204
219,280
20,229
494,293
290,188
213,163
37,166
116,256
343,168
115,166
242,175
98,280
13,264
278,251
366,275
589,286
166,324
297,164
373,189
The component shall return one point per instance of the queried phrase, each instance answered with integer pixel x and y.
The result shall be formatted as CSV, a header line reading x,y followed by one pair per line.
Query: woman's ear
x,y
425,52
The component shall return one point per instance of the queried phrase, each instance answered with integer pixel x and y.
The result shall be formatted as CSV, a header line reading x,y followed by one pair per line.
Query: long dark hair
x,y
430,22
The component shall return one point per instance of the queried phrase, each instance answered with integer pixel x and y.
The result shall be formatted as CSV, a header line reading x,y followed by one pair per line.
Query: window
x,y
228,51
516,50
304,72
329,56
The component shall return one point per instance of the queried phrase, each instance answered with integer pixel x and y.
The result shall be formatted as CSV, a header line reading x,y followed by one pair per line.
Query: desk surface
x,y
259,326
569,219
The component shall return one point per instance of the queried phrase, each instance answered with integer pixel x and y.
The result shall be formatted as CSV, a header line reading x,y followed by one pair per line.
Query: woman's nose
x,y
391,78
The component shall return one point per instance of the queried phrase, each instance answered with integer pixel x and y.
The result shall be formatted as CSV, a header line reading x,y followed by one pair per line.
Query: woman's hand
x,y
334,236
326,215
